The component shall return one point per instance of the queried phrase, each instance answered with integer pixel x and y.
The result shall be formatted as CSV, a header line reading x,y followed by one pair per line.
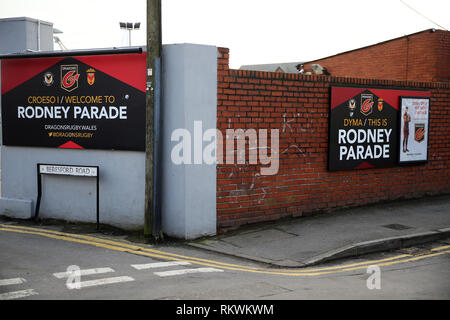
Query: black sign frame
x,y
395,90
39,185
104,112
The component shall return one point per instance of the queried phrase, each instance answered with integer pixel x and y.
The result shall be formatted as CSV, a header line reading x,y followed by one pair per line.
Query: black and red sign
x,y
364,127
85,102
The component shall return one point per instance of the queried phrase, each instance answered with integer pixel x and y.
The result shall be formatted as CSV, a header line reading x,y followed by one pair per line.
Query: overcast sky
x,y
256,31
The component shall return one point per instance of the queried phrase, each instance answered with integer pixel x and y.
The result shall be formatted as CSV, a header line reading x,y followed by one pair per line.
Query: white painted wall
x,y
74,198
189,80
189,74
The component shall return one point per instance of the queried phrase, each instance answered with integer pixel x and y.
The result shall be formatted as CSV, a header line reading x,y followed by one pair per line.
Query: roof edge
x,y
26,19
70,53
378,43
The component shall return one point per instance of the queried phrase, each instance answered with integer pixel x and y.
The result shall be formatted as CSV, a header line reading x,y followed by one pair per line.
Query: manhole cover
x,y
396,226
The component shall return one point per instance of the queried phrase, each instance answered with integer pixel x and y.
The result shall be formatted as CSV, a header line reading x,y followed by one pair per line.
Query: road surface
x,y
38,263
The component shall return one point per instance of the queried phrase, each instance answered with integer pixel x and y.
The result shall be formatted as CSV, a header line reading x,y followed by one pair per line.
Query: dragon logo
x,y
419,132
69,77
366,104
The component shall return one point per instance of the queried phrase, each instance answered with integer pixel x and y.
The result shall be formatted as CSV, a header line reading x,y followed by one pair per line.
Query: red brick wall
x,y
443,57
423,56
299,106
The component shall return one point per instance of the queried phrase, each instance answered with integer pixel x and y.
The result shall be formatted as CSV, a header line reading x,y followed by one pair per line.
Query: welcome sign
x,y
85,102
364,127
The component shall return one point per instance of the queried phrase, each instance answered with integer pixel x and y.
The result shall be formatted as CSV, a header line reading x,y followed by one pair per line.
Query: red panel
x,y
128,68
392,96
17,71
365,165
70,145
340,94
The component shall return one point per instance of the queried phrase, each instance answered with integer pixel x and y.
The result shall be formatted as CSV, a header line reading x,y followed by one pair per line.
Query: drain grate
x,y
415,251
396,226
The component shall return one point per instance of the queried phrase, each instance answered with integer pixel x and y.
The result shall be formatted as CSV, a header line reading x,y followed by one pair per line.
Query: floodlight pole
x,y
154,48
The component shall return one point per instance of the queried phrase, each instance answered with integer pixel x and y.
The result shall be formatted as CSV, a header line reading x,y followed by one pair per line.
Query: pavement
x,y
306,241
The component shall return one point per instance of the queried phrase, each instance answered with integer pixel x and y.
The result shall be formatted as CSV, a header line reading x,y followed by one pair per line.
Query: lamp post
x,y
130,27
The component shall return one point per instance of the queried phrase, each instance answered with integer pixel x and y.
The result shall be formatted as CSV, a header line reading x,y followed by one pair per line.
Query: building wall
x,y
424,56
443,57
121,186
189,82
299,107
197,198
189,79
21,34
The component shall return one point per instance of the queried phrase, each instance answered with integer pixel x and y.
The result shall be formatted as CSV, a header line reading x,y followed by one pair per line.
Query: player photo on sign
x,y
414,128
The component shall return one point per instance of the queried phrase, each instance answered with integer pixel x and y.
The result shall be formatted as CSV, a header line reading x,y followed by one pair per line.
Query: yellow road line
x,y
198,260
97,244
440,248
123,247
122,244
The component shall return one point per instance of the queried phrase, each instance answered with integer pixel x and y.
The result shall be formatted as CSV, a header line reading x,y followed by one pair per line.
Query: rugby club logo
x,y
380,104
366,104
90,76
69,77
48,79
352,106
419,132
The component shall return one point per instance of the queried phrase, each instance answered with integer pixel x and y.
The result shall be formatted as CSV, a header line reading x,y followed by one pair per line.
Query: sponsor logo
x,y
90,76
366,104
380,104
69,77
419,132
48,79
352,106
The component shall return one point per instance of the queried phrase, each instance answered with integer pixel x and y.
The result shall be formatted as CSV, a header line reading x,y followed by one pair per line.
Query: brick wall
x,y
299,106
443,59
424,56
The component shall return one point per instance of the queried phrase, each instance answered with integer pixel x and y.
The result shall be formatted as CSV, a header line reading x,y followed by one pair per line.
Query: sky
x,y
255,31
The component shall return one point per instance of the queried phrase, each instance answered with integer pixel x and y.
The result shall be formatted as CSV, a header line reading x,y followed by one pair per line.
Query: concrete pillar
x,y
189,99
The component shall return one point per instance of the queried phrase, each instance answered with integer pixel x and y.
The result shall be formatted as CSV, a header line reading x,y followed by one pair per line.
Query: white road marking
x,y
18,294
8,282
86,272
100,282
185,271
159,265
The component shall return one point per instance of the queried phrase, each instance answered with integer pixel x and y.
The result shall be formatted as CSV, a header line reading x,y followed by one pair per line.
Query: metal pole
x,y
153,53
39,190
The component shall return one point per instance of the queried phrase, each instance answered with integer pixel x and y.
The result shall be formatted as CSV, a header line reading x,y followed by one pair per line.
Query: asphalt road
x,y
42,264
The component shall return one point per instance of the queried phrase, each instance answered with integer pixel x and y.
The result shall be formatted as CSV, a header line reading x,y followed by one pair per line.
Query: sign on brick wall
x,y
414,129
364,127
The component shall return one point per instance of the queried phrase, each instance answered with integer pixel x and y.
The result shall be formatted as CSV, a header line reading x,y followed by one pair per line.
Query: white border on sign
x,y
414,113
